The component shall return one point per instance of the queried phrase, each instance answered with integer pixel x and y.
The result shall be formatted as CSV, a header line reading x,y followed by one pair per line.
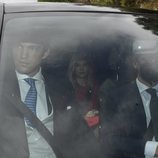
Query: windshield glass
x,y
80,60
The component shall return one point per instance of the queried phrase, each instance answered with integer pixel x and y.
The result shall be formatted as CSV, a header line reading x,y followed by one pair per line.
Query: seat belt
x,y
41,128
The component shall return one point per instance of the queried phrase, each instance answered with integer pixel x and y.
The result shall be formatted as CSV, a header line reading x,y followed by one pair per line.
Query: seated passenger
x,y
25,88
85,88
130,123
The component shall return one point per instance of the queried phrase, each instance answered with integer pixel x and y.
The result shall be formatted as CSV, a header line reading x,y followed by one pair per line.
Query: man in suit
x,y
127,122
19,138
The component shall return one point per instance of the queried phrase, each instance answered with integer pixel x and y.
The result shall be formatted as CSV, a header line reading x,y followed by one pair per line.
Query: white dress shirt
x,y
150,146
38,147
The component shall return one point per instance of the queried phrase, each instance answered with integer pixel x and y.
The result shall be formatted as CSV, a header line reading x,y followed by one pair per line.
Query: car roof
x,y
66,7
55,6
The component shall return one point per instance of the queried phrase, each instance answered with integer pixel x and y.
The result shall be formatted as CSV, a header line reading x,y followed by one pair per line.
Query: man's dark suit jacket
x,y
124,128
71,133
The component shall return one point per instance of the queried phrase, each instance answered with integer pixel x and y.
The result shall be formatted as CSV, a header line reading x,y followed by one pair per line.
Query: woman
x,y
85,88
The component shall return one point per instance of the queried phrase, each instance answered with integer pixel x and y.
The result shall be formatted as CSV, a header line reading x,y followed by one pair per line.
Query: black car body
x,y
106,36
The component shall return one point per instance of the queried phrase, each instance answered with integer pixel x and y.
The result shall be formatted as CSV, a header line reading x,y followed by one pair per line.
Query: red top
x,y
88,96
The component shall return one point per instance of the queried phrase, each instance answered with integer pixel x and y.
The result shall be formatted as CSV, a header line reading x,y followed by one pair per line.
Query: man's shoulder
x,y
124,91
127,87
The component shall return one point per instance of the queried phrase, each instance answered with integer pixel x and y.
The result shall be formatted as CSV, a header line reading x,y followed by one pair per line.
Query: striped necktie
x,y
31,97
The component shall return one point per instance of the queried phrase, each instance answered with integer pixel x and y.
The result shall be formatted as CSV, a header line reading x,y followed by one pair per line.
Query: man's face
x,y
148,68
28,57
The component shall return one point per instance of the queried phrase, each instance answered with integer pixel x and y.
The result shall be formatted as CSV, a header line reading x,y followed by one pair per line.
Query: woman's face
x,y
81,69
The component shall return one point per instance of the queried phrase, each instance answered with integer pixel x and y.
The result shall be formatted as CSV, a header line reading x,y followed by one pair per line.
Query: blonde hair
x,y
71,70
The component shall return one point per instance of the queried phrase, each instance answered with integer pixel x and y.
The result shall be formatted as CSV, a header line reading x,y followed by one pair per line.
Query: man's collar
x,y
142,87
37,76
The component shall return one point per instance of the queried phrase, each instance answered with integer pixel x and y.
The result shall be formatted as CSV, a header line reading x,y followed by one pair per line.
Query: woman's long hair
x,y
72,66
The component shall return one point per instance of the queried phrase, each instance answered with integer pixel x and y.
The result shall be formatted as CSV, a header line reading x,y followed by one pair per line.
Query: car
x,y
86,55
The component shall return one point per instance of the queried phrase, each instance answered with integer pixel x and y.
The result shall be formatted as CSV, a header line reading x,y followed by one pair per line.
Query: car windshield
x,y
106,39
82,57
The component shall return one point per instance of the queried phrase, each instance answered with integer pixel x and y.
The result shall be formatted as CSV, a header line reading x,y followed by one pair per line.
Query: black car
x,y
74,81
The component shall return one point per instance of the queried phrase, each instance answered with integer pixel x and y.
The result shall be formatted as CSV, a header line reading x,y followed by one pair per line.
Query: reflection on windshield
x,y
90,84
